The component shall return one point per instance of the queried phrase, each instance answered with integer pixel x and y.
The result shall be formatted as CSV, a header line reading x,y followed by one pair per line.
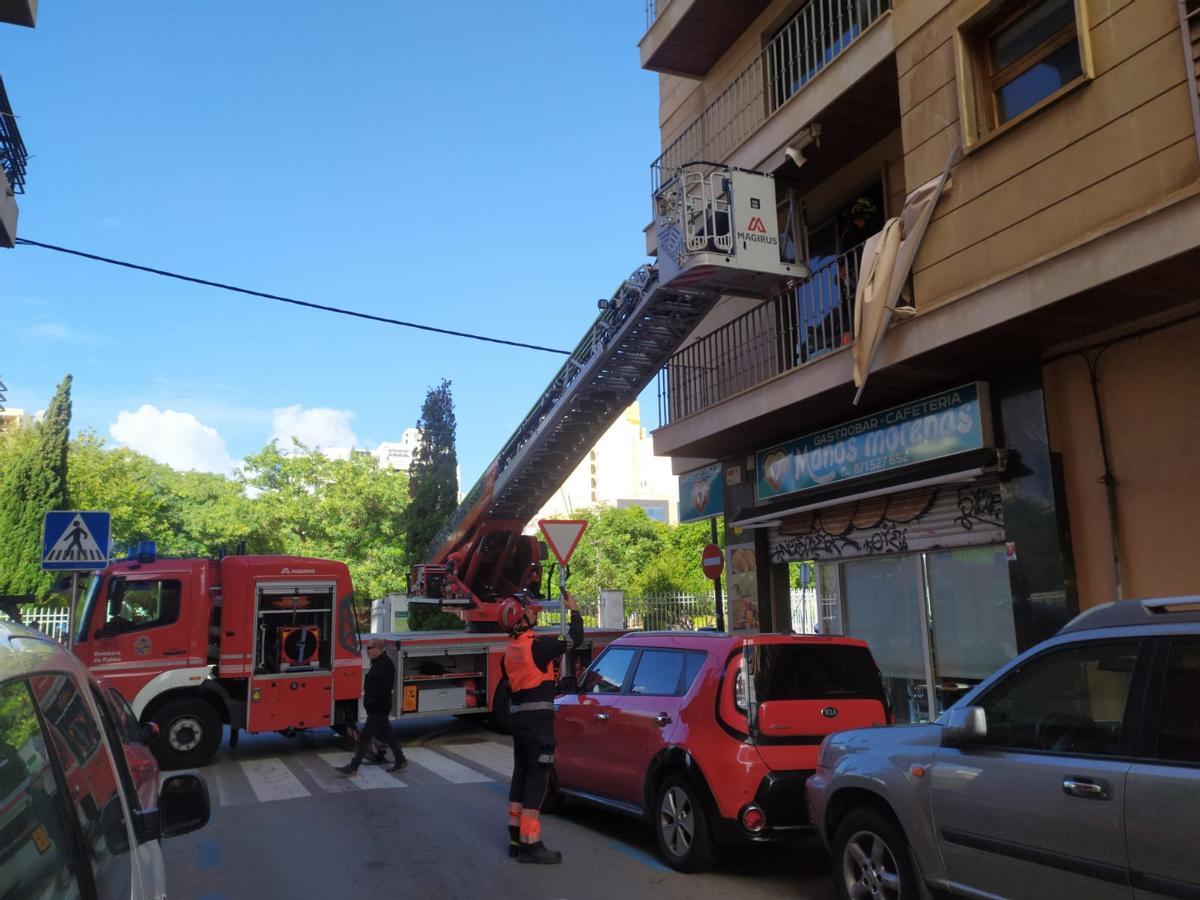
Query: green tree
x,y
433,486
125,483
213,514
184,513
616,549
306,504
32,483
624,549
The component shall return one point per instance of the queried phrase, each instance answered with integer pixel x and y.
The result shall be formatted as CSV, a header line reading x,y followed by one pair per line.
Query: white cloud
x,y
178,439
57,331
317,427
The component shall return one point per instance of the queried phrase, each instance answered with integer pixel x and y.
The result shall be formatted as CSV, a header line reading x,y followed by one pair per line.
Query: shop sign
x,y
944,424
701,494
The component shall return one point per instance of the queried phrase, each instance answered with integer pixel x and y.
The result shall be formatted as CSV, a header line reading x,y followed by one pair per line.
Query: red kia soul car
x,y
709,736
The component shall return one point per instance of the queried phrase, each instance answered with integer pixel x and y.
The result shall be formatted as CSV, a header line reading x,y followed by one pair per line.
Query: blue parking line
x,y
496,788
208,854
644,858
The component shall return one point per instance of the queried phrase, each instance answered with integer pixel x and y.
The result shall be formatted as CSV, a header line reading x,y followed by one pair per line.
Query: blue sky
x,y
474,166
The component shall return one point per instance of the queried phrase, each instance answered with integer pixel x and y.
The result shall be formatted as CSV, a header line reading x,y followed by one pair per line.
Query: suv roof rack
x,y
1137,612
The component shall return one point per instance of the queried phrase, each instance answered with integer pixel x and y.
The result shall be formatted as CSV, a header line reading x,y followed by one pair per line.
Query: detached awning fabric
x,y
887,259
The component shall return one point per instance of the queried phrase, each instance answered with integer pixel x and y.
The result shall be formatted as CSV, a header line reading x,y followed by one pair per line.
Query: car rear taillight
x,y
741,698
753,818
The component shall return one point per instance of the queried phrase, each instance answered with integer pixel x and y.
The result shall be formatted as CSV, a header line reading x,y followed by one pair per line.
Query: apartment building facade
x,y
13,155
621,470
1021,446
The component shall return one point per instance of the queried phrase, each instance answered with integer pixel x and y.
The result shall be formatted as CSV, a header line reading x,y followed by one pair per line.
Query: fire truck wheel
x,y
500,702
189,733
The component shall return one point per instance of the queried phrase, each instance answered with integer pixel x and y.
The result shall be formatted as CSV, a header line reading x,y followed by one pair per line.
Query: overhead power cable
x,y
265,296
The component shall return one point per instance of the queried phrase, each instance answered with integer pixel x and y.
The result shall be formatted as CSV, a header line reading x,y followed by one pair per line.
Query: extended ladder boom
x,y
717,235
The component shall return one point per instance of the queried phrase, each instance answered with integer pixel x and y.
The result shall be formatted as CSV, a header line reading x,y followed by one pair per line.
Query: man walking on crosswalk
x,y
378,686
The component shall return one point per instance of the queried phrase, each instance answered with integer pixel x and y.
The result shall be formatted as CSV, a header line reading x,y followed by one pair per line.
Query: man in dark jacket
x,y
378,686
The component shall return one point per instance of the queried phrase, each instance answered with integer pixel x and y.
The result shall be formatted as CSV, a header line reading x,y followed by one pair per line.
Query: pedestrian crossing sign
x,y
76,539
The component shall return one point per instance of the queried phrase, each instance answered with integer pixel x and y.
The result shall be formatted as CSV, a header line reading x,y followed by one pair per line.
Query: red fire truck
x,y
263,643
269,643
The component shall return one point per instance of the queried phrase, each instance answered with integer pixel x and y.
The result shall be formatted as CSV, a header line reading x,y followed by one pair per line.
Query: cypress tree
x,y
33,483
433,489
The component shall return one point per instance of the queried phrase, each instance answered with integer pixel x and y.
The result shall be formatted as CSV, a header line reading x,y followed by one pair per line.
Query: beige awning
x,y
886,262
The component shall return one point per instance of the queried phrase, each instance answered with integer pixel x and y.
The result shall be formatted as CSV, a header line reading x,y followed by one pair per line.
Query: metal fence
x,y
685,612
819,33
787,331
49,620
654,9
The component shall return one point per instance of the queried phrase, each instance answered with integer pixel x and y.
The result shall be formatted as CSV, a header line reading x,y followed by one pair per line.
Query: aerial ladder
x,y
717,233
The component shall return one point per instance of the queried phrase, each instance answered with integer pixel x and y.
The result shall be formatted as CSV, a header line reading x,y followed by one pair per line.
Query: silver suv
x,y
72,822
1073,771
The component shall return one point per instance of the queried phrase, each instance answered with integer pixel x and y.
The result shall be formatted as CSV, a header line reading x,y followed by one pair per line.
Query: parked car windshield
x,y
815,672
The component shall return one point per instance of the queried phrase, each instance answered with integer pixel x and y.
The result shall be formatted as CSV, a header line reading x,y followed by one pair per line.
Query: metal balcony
x,y
19,12
784,333
13,156
687,37
817,35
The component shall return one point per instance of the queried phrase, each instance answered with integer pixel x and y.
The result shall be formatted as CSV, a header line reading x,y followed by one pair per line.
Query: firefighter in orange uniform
x,y
531,665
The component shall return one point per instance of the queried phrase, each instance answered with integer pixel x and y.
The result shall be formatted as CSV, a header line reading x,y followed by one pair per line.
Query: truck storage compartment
x,y
293,628
436,679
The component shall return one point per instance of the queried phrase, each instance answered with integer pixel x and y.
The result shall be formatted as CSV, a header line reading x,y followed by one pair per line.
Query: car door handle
x,y
1088,788
601,717
663,719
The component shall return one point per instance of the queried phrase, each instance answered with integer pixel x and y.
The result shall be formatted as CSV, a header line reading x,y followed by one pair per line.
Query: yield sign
x,y
562,535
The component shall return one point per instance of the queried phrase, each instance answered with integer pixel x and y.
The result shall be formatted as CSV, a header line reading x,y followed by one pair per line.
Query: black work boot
x,y
514,841
538,853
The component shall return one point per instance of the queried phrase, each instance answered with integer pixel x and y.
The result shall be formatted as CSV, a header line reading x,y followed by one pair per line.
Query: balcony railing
x,y
653,9
785,332
817,35
13,156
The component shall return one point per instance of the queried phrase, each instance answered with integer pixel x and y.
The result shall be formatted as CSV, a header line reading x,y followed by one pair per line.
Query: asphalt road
x,y
285,824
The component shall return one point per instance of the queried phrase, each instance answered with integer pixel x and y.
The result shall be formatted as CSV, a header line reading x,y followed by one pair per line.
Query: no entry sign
x,y
712,561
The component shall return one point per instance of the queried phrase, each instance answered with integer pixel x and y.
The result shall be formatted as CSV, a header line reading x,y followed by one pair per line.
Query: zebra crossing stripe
x,y
369,778
452,771
271,779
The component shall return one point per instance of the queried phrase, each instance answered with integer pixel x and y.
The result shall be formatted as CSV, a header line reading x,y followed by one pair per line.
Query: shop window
x,y
1017,57
1070,700
971,606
